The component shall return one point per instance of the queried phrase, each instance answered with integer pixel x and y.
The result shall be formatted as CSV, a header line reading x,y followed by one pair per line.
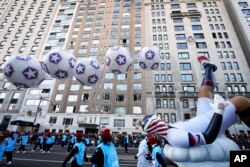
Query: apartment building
x,y
239,12
181,29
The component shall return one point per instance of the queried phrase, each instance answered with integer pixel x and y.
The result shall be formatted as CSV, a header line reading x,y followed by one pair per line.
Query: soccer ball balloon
x,y
149,58
24,71
88,71
59,64
118,60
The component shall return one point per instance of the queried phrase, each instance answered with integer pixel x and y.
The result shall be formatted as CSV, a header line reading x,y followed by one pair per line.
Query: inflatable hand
x,y
218,151
219,104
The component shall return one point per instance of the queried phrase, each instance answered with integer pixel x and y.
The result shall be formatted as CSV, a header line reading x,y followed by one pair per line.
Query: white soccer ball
x,y
24,71
88,71
118,60
59,64
149,58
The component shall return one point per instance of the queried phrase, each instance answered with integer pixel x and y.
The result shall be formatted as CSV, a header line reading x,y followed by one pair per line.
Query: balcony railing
x,y
232,94
165,94
188,94
185,14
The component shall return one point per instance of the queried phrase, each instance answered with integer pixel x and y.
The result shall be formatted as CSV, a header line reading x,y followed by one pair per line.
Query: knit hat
x,y
152,139
79,135
106,135
142,136
2,137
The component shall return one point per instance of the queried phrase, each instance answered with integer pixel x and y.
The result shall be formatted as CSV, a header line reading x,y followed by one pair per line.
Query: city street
x,y
57,155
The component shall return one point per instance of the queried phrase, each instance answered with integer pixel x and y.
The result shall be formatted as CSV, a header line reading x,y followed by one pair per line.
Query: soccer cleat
x,y
205,62
32,150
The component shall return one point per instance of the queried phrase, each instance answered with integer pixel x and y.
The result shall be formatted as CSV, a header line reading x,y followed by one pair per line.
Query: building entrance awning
x,y
85,125
23,123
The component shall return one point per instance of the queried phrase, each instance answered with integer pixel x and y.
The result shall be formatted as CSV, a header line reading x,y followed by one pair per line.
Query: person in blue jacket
x,y
72,141
10,145
24,141
157,153
39,142
63,140
105,154
48,143
78,153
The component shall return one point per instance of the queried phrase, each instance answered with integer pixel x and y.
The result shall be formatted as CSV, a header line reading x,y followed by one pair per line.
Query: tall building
x,y
88,29
181,29
239,12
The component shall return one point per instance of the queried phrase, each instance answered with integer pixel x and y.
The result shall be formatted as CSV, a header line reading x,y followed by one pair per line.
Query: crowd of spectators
x,y
242,139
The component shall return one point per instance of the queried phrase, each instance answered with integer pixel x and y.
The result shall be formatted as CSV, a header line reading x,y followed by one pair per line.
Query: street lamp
x,y
39,109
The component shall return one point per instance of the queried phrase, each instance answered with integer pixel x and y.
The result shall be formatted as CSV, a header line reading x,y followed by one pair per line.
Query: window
x,y
201,45
180,36
58,97
170,78
158,103
70,109
243,4
183,55
72,98
232,55
104,120
52,120
137,75
121,98
177,20
84,108
186,77
175,6
61,87
229,44
199,36
171,103
236,66
185,66
211,26
179,28
223,66
163,78
2,97
137,97
173,118
137,110
229,65
219,53
108,85
157,78
119,123
121,87
246,11
226,78
185,103
166,117
74,87
196,27
67,121
182,46
239,77
191,5
232,76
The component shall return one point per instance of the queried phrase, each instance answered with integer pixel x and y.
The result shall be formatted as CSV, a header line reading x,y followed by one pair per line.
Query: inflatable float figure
x,y
199,141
